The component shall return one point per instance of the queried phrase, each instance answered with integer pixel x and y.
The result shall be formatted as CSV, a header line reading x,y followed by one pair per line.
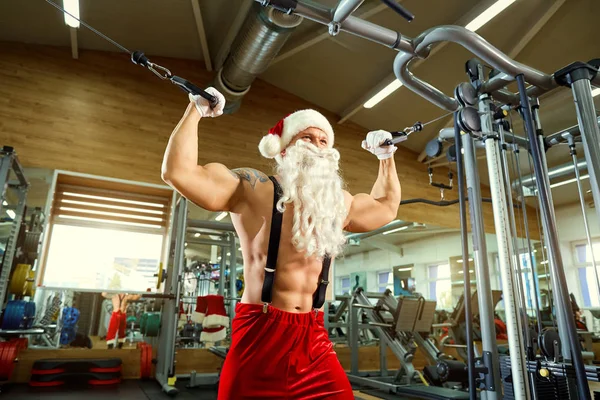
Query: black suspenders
x,y
273,251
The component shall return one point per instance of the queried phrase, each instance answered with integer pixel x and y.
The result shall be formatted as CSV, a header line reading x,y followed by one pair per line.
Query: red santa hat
x,y
279,136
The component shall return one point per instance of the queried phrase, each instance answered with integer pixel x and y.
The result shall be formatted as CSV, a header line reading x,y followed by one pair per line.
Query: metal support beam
x,y
357,105
220,226
317,37
202,34
516,50
380,244
74,46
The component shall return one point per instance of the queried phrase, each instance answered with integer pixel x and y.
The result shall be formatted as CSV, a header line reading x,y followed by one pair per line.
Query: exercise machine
x,y
402,325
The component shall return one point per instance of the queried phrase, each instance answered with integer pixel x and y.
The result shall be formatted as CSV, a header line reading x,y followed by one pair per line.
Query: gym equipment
x,y
145,359
19,280
70,317
8,356
139,58
160,276
573,151
9,167
399,324
29,286
18,314
58,372
151,324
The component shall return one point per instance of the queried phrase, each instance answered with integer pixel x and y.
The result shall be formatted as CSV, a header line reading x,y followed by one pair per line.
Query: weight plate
x,y
7,360
153,325
160,276
29,286
3,364
143,320
32,241
18,280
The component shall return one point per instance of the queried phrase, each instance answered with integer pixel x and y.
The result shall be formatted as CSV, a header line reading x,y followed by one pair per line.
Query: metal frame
x,y
484,289
165,366
9,162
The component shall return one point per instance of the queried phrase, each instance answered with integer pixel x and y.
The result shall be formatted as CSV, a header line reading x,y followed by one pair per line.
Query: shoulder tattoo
x,y
250,174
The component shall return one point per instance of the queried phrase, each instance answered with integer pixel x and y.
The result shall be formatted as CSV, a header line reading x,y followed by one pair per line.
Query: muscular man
x,y
290,226
118,318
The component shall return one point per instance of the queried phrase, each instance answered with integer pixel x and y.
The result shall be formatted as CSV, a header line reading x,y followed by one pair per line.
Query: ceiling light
x,y
459,261
11,214
221,216
72,7
595,92
196,235
385,92
228,254
404,269
185,244
397,229
488,14
557,184
5,203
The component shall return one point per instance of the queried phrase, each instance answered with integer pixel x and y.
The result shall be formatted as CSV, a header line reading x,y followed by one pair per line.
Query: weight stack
x,y
56,372
553,387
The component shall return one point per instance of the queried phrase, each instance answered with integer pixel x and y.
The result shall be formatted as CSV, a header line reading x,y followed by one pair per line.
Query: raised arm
x,y
212,186
371,211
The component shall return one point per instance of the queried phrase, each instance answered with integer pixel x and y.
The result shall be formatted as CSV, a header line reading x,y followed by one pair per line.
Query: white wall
x,y
422,253
571,229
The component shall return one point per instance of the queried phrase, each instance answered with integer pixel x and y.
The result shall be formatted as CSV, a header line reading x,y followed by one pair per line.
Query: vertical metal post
x,y
559,311
165,367
528,238
353,336
582,202
484,289
517,262
222,261
232,274
556,266
465,255
590,134
383,357
505,252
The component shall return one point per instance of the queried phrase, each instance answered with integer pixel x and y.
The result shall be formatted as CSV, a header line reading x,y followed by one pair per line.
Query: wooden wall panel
x,y
103,115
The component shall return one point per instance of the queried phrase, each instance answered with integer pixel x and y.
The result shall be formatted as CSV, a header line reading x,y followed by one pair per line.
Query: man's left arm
x,y
380,207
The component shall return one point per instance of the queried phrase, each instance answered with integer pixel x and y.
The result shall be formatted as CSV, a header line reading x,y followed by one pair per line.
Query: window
x,y
344,285
384,281
590,292
440,286
105,235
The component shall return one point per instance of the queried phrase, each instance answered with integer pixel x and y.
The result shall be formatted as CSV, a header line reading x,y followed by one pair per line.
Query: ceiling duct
x,y
259,40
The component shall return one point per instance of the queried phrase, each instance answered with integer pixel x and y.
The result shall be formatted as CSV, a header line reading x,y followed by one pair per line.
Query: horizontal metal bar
x,y
208,242
476,45
363,306
355,26
381,324
497,82
561,136
221,226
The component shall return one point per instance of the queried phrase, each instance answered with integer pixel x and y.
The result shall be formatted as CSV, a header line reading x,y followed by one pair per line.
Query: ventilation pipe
x,y
259,40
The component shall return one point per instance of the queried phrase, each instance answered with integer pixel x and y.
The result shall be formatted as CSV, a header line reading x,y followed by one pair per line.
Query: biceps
x,y
213,187
367,214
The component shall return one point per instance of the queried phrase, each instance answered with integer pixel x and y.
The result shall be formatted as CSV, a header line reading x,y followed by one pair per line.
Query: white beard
x,y
311,182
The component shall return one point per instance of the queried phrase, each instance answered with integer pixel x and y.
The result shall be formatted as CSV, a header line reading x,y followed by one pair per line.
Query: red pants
x,y
281,355
118,320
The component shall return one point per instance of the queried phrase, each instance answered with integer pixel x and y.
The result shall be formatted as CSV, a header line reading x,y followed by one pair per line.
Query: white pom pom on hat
x,y
279,136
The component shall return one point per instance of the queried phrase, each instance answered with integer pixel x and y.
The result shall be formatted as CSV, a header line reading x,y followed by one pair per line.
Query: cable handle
x,y
139,58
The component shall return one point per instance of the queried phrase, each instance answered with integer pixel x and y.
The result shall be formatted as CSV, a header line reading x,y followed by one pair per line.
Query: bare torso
x,y
121,300
296,276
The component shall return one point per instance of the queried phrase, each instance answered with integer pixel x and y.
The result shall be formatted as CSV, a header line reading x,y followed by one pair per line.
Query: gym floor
x,y
129,389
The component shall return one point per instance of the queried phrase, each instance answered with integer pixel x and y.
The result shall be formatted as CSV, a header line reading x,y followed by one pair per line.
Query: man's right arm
x,y
212,186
